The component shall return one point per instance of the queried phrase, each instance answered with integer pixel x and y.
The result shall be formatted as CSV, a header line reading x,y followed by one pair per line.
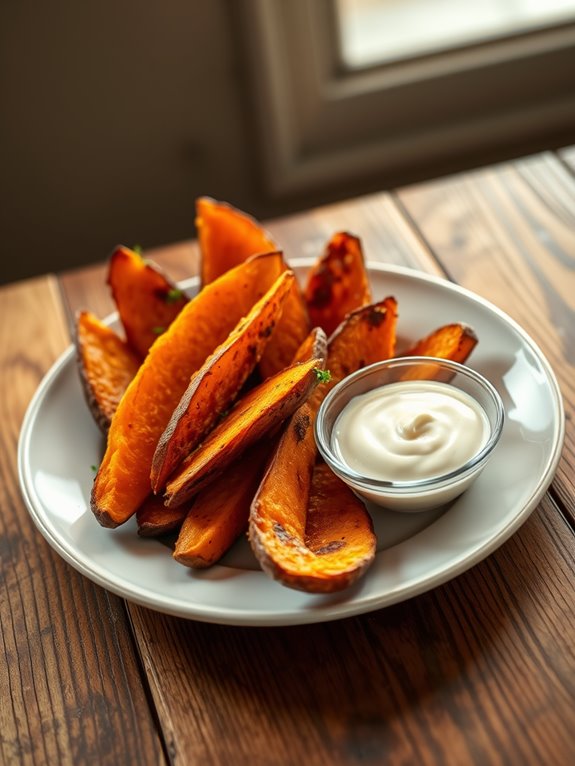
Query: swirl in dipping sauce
x,y
409,431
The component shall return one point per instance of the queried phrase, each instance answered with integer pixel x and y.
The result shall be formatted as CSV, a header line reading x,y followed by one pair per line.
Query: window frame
x,y
322,125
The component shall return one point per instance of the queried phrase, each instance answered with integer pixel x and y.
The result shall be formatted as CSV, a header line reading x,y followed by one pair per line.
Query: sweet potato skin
x,y
227,237
216,384
123,480
219,514
254,415
155,520
106,365
280,511
147,301
337,283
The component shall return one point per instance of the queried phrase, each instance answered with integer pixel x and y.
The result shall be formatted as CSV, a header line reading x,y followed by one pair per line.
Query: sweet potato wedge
x,y
123,480
219,514
336,547
106,365
452,341
280,510
227,237
257,413
292,329
155,520
337,283
216,384
147,301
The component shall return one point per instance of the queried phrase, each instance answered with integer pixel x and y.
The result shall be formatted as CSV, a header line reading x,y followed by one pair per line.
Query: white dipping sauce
x,y
410,430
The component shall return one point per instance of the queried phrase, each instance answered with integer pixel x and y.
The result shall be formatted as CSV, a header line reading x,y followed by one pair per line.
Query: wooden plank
x,y
478,671
567,155
508,233
70,684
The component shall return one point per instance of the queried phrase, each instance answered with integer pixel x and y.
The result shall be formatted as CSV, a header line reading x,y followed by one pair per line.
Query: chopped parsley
x,y
173,295
158,330
323,376
138,249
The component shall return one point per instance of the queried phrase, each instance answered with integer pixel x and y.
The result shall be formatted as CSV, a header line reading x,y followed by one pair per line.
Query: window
x,y
325,125
375,31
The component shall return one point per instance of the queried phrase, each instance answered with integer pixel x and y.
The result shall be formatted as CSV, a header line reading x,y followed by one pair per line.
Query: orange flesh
x,y
123,480
337,284
216,384
107,366
146,300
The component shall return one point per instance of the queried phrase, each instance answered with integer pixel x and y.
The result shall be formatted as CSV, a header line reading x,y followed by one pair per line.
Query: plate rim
x,y
256,618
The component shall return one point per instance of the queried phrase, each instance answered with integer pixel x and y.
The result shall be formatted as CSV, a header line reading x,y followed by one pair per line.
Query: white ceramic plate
x,y
59,444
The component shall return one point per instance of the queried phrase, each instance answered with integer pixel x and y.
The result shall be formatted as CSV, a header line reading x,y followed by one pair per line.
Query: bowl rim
x,y
416,485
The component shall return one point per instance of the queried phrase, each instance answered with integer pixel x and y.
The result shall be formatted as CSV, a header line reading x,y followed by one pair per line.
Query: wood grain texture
x,y
479,671
508,233
567,155
70,684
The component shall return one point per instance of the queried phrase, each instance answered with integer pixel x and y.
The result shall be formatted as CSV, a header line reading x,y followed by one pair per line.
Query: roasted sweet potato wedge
x,y
337,283
147,301
155,520
106,365
334,549
280,510
257,413
216,384
453,341
227,237
219,514
292,329
123,480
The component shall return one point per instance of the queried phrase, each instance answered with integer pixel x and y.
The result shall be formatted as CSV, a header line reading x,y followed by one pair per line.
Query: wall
x,y
115,116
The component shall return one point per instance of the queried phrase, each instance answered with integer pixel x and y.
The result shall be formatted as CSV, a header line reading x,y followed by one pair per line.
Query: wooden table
x,y
480,670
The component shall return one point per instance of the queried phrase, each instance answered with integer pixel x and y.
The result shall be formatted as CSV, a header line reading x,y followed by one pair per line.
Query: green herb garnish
x,y
158,330
173,295
94,468
323,376
138,249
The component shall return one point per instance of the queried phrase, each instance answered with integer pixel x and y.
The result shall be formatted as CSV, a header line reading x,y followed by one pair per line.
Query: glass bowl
x,y
420,493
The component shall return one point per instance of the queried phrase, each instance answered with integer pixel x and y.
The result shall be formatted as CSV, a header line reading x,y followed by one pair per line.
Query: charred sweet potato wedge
x,y
123,479
256,414
280,510
337,283
453,341
106,365
227,237
220,512
147,301
334,549
216,384
155,520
